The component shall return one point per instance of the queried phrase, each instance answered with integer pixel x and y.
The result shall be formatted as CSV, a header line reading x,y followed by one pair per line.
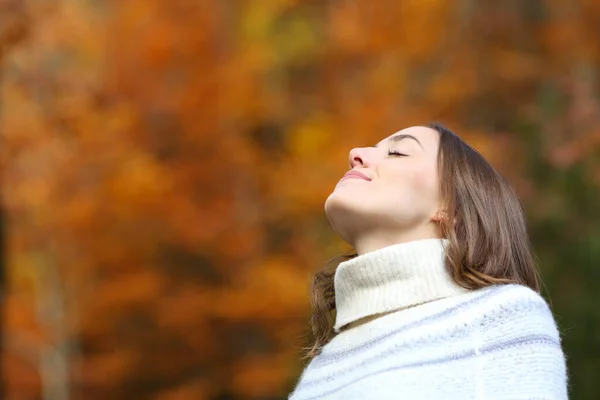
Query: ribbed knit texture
x,y
499,342
395,277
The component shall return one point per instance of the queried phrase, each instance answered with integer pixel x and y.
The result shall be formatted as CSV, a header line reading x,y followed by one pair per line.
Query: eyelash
x,y
395,153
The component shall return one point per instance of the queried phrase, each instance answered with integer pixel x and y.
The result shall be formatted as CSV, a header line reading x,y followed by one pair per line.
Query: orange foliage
x,y
170,160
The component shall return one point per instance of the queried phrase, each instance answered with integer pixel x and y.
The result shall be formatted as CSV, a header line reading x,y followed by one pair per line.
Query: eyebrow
x,y
397,138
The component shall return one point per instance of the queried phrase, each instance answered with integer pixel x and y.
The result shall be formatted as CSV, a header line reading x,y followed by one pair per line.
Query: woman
x,y
441,298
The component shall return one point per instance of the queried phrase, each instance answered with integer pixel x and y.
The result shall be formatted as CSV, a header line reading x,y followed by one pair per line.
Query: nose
x,y
359,157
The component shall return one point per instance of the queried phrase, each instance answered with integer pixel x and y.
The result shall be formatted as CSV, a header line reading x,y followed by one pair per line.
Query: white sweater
x,y
443,343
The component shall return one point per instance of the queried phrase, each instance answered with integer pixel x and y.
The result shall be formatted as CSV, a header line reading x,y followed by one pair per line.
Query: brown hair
x,y
485,226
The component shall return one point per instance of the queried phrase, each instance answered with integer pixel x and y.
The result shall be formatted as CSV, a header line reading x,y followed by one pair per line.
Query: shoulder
x,y
516,314
512,301
519,345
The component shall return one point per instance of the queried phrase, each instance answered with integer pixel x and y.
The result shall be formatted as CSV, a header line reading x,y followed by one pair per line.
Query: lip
x,y
356,175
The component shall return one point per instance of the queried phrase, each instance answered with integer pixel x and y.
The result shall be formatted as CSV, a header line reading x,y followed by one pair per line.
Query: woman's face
x,y
399,200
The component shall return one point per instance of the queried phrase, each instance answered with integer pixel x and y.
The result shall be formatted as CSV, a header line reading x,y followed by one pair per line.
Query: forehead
x,y
429,138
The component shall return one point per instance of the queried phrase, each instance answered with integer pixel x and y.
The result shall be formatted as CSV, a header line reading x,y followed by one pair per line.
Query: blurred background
x,y
165,165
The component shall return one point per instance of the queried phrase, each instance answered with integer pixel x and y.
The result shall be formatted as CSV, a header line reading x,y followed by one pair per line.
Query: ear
x,y
439,216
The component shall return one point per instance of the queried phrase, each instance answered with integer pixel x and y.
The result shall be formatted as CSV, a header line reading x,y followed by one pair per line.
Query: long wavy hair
x,y
485,227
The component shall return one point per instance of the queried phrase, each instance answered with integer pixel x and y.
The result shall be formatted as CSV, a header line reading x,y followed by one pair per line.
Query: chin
x,y
335,201
342,208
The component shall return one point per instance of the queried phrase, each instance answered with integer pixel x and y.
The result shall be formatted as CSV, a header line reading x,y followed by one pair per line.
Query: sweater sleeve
x,y
518,349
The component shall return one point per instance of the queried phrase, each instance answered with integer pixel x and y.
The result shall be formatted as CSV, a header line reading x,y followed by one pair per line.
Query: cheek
x,y
426,185
419,185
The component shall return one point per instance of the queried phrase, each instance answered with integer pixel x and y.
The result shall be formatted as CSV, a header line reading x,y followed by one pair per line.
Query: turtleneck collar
x,y
392,278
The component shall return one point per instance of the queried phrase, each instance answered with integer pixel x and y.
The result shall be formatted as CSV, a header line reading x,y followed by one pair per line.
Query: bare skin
x,y
399,202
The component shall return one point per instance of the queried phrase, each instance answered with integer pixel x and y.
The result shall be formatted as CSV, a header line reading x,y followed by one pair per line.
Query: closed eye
x,y
395,153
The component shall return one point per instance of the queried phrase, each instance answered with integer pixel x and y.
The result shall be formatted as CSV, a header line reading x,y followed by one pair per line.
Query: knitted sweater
x,y
440,341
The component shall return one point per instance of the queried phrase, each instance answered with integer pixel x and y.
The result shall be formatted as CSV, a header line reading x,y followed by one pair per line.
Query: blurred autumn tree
x,y
166,166
12,29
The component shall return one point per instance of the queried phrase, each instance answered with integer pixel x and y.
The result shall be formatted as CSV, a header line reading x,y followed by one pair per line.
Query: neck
x,y
373,241
391,278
